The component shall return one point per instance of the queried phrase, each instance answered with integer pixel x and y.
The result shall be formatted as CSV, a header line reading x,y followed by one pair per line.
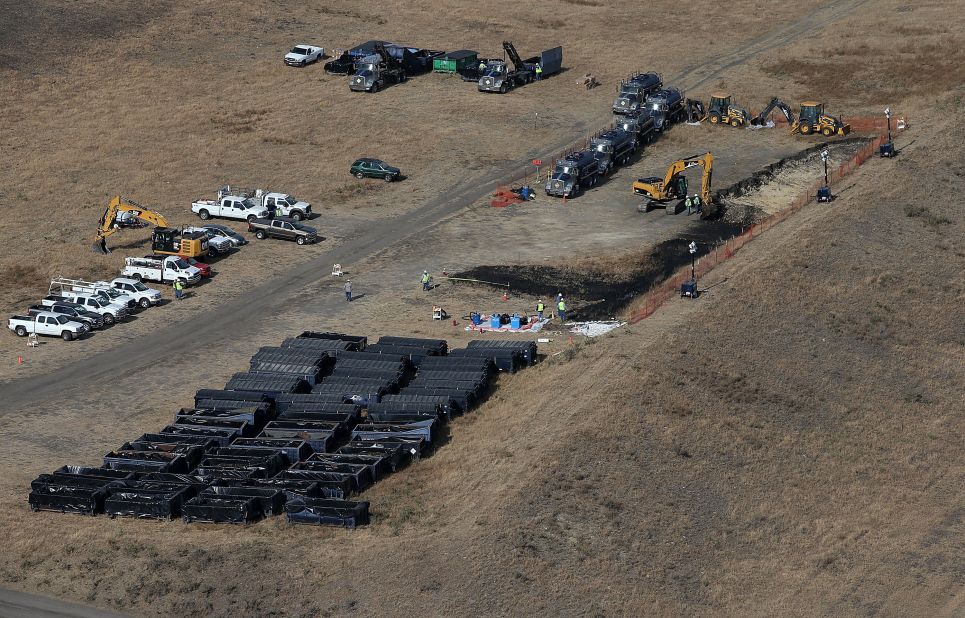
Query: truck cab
x,y
572,174
634,91
612,148
188,243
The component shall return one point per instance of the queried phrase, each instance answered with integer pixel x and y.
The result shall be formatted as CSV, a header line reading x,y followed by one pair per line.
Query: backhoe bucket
x,y
100,246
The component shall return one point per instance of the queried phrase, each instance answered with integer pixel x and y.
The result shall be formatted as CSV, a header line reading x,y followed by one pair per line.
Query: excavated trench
x,y
597,292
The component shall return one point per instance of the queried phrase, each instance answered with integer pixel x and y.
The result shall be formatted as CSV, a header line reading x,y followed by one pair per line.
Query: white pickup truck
x,y
145,296
47,323
165,270
284,205
59,285
230,207
111,311
300,55
248,204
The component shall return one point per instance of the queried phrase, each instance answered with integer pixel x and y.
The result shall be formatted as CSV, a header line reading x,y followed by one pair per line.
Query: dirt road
x,y
15,604
249,307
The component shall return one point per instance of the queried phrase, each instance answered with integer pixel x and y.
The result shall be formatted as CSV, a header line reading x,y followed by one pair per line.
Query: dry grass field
x,y
788,445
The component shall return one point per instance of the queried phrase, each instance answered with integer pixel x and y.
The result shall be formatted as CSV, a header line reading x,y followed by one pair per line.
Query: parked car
x,y
226,232
282,227
205,269
300,55
47,323
374,168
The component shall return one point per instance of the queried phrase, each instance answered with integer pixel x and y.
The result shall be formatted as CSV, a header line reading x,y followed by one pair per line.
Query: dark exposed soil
x,y
599,295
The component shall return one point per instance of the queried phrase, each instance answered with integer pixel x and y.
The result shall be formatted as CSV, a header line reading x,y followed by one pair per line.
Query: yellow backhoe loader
x,y
671,190
722,111
163,240
813,120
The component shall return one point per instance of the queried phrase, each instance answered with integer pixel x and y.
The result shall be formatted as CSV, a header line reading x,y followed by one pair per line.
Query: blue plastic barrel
x,y
514,322
476,318
494,321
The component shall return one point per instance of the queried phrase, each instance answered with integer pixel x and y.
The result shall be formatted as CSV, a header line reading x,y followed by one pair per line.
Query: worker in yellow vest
x,y
561,309
540,308
425,280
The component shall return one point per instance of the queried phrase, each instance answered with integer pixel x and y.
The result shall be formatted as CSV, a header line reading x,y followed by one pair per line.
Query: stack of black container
x,y
312,424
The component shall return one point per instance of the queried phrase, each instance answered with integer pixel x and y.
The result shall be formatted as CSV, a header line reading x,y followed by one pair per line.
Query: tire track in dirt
x,y
248,309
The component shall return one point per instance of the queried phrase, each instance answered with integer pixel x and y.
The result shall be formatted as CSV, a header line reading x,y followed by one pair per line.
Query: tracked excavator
x,y
761,119
813,119
668,192
163,239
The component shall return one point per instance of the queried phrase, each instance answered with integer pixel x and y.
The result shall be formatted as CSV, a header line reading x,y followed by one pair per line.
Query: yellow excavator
x,y
671,190
163,240
813,119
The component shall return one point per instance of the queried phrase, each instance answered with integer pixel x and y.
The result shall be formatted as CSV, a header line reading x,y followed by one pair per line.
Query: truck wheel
x,y
714,118
212,252
359,175
375,87
109,319
67,335
145,303
204,214
503,89
138,277
300,240
297,216
251,218
21,331
388,177
827,131
805,129
260,235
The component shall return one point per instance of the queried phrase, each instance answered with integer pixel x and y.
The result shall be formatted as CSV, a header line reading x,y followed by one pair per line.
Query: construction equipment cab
x,y
170,241
722,111
668,192
813,120
109,225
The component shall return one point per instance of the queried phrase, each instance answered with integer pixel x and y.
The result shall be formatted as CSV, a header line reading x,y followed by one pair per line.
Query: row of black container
x,y
311,424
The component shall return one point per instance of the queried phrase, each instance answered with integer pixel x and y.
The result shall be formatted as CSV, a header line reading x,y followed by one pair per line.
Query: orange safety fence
x,y
668,288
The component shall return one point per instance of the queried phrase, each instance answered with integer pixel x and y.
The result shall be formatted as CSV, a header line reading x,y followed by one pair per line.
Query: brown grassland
x,y
788,445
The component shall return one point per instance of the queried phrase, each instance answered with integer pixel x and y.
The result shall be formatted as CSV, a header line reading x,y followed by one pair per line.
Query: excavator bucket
x,y
100,246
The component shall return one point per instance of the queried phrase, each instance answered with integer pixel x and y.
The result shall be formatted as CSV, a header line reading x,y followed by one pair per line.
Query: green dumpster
x,y
453,61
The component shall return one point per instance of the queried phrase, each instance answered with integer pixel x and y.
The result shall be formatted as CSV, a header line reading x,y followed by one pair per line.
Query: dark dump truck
x,y
414,61
666,107
499,77
573,173
634,91
284,228
373,73
612,148
638,124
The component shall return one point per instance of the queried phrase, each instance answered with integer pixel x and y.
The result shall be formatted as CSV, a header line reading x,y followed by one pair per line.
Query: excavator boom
x,y
775,103
118,204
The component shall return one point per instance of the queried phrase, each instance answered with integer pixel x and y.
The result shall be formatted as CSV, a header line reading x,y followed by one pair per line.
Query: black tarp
x,y
327,512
